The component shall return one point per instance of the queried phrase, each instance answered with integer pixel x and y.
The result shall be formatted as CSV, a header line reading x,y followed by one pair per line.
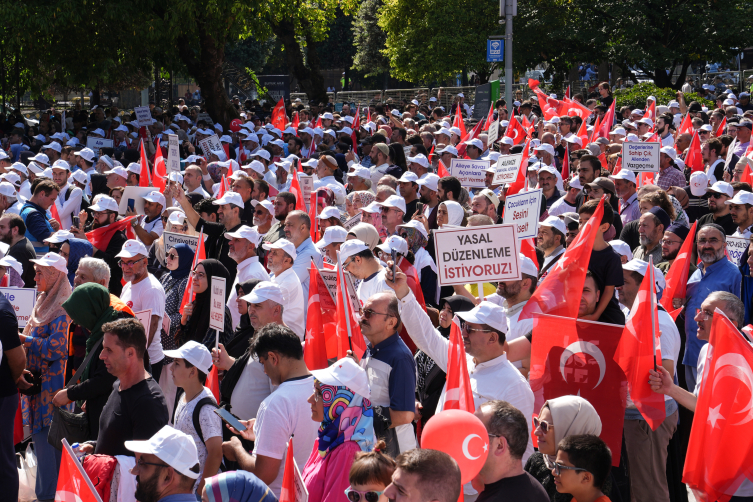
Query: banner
x,y
97,143
471,173
507,168
353,221
641,157
173,153
212,143
172,238
522,211
22,300
476,254
217,307
143,116
736,246
307,185
330,280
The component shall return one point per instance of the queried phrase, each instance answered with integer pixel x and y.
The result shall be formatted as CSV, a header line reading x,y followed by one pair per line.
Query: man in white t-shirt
x,y
360,262
242,249
283,414
144,292
280,258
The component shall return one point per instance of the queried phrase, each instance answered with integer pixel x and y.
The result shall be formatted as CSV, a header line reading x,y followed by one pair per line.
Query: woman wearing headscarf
x,y
559,418
341,403
194,323
73,250
244,332
46,340
174,221
365,232
236,486
417,239
450,213
89,307
179,260
430,378
11,272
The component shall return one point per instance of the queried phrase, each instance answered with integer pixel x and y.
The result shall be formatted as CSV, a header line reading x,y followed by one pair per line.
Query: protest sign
x,y
330,279
173,153
736,246
301,492
172,238
476,254
135,194
507,168
640,157
217,307
307,185
204,117
166,324
353,221
493,133
145,318
22,300
212,143
97,143
143,116
522,210
471,173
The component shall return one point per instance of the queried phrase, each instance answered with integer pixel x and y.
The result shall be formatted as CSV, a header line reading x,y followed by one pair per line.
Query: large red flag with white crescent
x,y
458,393
515,131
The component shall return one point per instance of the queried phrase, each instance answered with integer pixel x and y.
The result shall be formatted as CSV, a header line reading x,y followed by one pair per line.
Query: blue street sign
x,y
495,51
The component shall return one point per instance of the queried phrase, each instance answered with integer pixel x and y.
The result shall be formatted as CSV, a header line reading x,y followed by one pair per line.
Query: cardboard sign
x,y
143,116
307,185
471,173
493,133
487,253
212,143
641,157
173,153
217,307
172,238
330,279
97,143
522,210
137,195
145,318
507,168
206,118
352,221
301,493
736,246
166,324
22,300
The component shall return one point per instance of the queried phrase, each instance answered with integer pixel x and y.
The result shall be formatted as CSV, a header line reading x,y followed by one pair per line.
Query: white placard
x,y
507,168
145,318
736,246
307,185
352,221
97,143
143,116
330,280
173,153
493,133
522,210
137,194
640,157
217,307
301,493
22,300
471,173
212,143
476,254
172,238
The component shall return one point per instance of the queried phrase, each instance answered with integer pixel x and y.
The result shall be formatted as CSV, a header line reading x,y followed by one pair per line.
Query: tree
x,y
370,41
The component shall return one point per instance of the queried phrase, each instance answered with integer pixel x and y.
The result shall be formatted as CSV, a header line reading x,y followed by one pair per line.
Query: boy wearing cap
x,y
191,364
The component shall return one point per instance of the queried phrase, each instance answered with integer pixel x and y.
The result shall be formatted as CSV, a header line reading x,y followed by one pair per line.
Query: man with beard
x,y
551,240
719,193
430,198
715,273
12,232
242,249
167,465
298,231
284,204
651,229
486,203
280,259
674,236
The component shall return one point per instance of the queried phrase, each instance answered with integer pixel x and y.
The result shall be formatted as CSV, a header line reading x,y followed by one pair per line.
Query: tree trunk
x,y
309,79
464,78
603,71
95,100
661,79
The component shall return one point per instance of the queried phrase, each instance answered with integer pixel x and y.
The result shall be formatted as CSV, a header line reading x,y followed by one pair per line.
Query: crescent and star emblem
x,y
584,348
466,441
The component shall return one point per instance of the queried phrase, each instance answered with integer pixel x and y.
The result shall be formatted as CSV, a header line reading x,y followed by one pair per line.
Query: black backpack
x,y
196,412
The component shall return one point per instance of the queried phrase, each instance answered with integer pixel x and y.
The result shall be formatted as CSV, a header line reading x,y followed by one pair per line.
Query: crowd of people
x,y
124,327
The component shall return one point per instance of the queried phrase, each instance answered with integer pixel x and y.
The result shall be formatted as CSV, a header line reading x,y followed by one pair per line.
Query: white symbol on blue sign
x,y
494,50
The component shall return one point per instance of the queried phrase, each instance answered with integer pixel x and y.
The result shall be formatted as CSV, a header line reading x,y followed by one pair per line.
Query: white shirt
x,y
25,190
284,413
200,190
67,209
209,421
248,269
495,379
331,183
515,327
292,313
253,387
371,286
560,206
153,226
377,172
745,233
145,295
668,140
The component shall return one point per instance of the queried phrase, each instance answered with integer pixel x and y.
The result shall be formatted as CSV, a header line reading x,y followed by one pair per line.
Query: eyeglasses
x,y
557,469
367,313
542,424
355,495
464,327
706,314
345,265
124,264
172,256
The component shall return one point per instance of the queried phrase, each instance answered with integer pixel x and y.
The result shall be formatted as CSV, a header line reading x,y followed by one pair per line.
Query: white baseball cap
x,y
448,149
475,142
395,242
669,151
699,182
373,207
18,166
41,158
176,177
624,174
329,212
283,244
332,235
394,201
105,203
155,196
9,261
53,146
345,373
345,130
265,290
361,172
3,154
60,236
233,198
120,171
640,266
430,181
722,187
408,177
265,204
527,266
741,197
350,248
445,131
53,260
554,222
419,159
195,353
132,248
177,217
546,147
14,178
487,313
7,189
245,232
256,166
417,225
87,154
175,448
80,176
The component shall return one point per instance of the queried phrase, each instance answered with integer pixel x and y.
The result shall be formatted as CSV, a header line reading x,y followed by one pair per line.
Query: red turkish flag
x,y
575,108
572,357
356,127
650,113
471,135
583,133
528,126
352,340
605,125
686,125
566,164
515,131
720,450
279,119
747,176
145,179
198,257
100,237
315,346
548,108
223,187
296,122
560,291
287,492
522,179
567,92
528,248
73,482
54,211
458,394
160,170
489,118
213,383
295,189
458,121
431,153
312,212
318,121
442,170
720,128
677,276
639,351
694,158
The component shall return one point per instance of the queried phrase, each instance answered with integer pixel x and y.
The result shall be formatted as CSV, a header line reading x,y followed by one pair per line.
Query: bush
x,y
635,97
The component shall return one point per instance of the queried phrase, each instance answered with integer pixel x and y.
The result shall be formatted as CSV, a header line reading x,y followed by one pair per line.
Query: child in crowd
x,y
370,474
582,466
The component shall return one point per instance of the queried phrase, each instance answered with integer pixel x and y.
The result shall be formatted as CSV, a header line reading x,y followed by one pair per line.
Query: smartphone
x,y
131,204
394,265
76,221
420,208
230,419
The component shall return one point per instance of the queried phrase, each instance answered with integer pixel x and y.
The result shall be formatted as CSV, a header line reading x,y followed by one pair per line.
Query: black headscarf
x,y
458,304
198,324
244,332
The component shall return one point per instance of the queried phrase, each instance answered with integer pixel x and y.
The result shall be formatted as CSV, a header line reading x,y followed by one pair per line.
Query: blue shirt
x,y
304,253
401,382
720,276
38,228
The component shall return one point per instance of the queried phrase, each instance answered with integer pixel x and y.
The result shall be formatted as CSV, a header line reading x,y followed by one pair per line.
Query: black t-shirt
x,y
521,488
606,267
217,245
697,206
9,339
725,222
630,235
133,414
23,251
410,210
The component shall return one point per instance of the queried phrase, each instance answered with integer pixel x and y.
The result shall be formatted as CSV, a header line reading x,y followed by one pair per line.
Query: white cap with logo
x,y
283,244
53,260
132,248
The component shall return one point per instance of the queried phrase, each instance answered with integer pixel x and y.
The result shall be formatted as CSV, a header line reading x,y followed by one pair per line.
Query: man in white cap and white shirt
x,y
419,165
142,292
331,242
242,249
393,213
625,188
360,262
281,257
8,199
68,202
551,240
116,177
22,171
359,180
741,210
149,227
568,202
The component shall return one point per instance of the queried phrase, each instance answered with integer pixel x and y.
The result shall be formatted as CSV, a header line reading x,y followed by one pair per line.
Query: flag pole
x,y
343,292
652,296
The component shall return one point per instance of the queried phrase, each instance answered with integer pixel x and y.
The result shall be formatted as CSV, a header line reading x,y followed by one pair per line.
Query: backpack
x,y
196,412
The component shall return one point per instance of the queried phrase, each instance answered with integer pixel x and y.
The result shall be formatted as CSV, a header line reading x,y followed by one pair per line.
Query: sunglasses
x,y
541,424
716,195
172,256
367,313
356,495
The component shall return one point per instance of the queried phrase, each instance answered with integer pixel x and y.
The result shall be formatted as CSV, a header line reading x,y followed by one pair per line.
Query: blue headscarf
x,y
185,260
237,486
80,248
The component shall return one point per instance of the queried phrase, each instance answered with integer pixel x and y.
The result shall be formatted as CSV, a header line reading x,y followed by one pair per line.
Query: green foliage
x,y
635,97
250,53
337,50
369,40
